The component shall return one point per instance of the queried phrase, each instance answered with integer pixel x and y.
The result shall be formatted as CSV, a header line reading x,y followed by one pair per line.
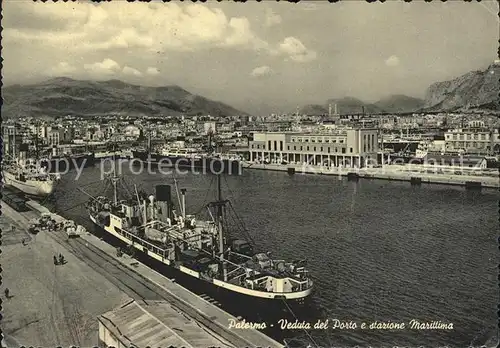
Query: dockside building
x,y
336,148
473,139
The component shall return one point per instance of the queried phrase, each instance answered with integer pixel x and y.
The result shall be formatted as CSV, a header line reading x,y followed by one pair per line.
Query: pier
x,y
68,304
388,172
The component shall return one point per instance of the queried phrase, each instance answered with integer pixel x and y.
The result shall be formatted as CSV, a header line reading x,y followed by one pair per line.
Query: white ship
x,y
199,249
29,178
429,147
180,152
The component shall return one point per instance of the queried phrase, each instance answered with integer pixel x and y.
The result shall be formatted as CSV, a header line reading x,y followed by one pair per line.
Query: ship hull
x,y
65,164
206,164
410,146
215,288
30,187
251,308
140,155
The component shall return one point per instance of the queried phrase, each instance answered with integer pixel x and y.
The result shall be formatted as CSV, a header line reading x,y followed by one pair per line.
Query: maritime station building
x,y
353,148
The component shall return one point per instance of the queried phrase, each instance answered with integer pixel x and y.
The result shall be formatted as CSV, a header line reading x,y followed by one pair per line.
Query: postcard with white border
x,y
250,174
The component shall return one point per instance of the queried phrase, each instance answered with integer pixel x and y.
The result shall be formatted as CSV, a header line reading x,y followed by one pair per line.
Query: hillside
x,y
349,105
476,89
400,103
65,96
314,110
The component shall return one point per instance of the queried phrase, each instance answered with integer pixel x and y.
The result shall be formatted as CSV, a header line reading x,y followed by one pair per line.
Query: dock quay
x,y
68,304
389,172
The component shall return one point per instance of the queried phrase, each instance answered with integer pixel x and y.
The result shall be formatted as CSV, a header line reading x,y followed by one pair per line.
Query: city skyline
x,y
262,58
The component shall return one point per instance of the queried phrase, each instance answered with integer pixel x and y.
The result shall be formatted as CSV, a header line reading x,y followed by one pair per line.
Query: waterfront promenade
x,y
387,172
59,305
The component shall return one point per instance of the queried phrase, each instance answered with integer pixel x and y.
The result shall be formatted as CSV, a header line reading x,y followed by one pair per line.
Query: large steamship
x,y
203,250
26,175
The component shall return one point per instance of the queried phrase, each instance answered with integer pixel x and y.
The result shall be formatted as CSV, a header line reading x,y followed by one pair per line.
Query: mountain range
x,y
64,96
348,105
474,90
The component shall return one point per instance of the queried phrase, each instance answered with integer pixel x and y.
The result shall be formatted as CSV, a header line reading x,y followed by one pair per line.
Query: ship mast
x,y
220,227
149,141
37,154
114,180
209,147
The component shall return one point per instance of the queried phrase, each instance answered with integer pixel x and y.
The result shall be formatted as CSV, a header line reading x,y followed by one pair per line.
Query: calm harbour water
x,y
379,250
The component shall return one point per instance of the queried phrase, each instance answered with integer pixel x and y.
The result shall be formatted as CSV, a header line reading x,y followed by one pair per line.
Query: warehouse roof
x,y
158,324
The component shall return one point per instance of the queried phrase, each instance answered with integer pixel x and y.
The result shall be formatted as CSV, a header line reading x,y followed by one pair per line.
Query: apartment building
x,y
12,140
479,140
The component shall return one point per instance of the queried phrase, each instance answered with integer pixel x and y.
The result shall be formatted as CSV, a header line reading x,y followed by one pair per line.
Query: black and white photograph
x,y
238,174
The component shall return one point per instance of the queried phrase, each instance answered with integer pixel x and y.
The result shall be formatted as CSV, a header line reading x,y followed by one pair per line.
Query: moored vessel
x,y
190,159
203,250
27,177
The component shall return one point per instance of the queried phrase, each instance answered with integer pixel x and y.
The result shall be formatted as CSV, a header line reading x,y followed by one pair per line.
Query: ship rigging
x,y
204,249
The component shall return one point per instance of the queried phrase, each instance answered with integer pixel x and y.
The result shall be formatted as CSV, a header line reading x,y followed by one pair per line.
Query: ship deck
x,y
198,260
236,270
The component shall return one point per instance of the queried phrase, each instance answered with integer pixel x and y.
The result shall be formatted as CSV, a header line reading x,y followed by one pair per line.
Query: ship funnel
x,y
164,201
183,193
152,206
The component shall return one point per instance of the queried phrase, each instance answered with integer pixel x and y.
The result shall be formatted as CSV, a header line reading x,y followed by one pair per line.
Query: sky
x,y
258,57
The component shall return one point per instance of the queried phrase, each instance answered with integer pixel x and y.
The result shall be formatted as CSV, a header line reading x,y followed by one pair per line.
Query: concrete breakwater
x,y
390,172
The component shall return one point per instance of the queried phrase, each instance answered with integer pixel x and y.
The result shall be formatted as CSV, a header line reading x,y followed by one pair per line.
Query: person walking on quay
x,y
61,259
55,260
7,293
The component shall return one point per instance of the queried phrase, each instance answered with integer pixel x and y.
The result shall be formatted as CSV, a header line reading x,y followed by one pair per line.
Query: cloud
x,y
131,71
296,51
262,71
106,67
98,69
392,61
41,17
126,38
241,35
50,38
152,71
61,69
272,18
157,27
